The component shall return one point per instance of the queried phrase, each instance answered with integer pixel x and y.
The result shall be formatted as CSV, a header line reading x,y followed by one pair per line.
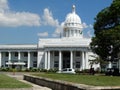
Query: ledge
x,y
16,88
64,85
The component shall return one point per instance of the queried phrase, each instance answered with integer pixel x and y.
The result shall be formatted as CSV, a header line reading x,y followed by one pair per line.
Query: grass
x,y
84,79
8,82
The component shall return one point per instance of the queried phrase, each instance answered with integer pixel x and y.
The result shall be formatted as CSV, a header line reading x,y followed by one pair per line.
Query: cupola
x,y
72,25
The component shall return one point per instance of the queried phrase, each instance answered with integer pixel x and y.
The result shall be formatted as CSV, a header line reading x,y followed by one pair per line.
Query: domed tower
x,y
72,25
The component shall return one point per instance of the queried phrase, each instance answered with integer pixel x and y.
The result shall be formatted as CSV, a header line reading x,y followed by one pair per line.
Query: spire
x,y
73,9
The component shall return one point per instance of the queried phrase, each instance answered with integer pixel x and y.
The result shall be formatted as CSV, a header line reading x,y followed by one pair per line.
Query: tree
x,y
108,18
106,42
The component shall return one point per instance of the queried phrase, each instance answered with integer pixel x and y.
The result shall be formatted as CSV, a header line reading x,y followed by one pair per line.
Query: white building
x,y
70,51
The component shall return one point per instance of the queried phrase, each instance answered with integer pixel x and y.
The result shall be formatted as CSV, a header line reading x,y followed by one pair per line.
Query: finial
x,y
73,9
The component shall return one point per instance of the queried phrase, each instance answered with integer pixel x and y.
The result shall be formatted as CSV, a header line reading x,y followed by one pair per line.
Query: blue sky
x,y
25,21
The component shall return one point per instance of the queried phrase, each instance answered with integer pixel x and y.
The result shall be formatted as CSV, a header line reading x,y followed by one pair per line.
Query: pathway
x,y
19,76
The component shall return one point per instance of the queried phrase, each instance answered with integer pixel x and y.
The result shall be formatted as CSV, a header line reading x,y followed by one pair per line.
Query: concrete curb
x,y
16,89
64,85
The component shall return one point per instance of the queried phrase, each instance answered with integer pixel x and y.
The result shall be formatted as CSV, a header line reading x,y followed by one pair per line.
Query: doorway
x,y
66,59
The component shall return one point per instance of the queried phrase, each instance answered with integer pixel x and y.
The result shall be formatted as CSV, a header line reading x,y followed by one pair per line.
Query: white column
x,y
60,61
19,56
28,63
0,59
71,59
9,58
83,61
53,59
87,65
48,60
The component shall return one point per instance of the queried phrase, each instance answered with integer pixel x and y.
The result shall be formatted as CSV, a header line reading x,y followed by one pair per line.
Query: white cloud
x,y
89,33
48,18
84,25
88,29
3,5
59,30
10,18
87,26
44,34
91,26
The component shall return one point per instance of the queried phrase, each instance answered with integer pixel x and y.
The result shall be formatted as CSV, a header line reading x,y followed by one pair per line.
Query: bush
x,y
43,70
53,70
6,69
83,71
34,70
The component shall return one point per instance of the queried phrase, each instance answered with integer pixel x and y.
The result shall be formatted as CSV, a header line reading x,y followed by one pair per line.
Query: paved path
x,y
19,76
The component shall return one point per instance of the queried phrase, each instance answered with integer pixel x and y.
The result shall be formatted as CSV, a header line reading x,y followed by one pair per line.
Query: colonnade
x,y
73,33
84,60
19,58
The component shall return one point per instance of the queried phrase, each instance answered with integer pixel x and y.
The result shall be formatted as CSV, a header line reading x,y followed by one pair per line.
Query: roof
x,y
64,42
19,46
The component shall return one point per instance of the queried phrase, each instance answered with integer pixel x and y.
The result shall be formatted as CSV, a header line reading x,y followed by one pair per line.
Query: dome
x,y
73,17
73,25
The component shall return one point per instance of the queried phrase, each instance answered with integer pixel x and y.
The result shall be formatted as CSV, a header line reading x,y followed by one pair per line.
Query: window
x,y
77,64
16,54
56,53
6,54
25,63
77,54
56,64
25,54
35,54
34,63
6,64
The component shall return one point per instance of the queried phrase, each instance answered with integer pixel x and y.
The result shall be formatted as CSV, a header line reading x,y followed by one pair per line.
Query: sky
x,y
25,21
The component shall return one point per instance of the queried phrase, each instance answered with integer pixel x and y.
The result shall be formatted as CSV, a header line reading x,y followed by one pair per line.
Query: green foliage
x,y
20,70
85,72
108,18
6,69
43,70
50,70
53,70
106,42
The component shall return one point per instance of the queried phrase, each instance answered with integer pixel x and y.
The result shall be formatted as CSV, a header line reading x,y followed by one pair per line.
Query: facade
x,y
21,56
70,51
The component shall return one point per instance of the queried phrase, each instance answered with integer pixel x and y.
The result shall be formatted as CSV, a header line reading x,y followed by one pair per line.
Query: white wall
x,y
90,54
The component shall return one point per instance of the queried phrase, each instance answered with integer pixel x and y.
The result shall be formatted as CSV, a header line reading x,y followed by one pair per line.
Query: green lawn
x,y
8,82
84,79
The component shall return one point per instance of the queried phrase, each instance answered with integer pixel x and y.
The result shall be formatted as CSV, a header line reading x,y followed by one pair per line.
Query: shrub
x,y
53,70
43,70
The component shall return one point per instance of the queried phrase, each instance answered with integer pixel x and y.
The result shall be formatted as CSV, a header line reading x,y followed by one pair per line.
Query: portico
x,y
69,51
61,58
